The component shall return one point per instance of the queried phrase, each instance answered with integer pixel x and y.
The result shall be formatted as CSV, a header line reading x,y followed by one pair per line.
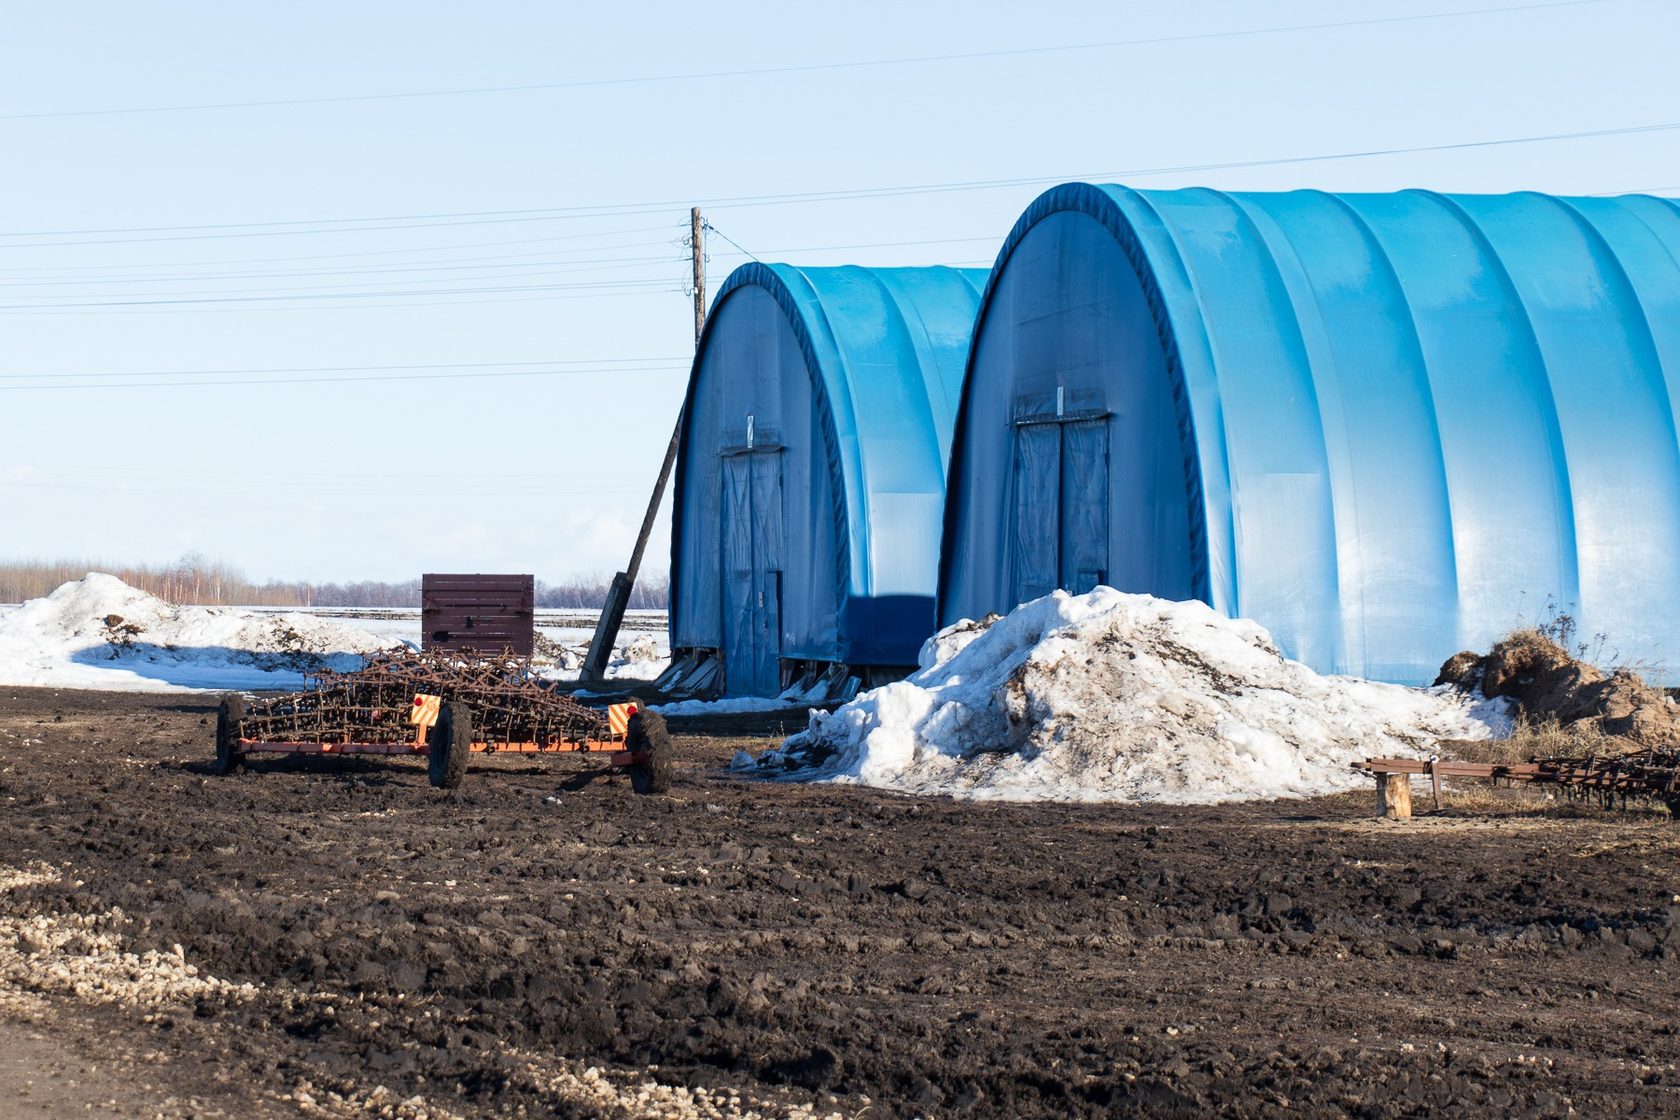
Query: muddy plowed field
x,y
340,939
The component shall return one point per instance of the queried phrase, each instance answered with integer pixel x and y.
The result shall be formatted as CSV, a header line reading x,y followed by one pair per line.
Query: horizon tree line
x,y
197,580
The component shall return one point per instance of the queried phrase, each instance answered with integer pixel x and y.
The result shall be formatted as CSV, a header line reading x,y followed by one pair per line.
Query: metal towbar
x,y
1651,773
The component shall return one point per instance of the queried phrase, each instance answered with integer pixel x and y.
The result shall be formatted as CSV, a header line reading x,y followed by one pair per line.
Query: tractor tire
x,y
648,735
228,756
449,746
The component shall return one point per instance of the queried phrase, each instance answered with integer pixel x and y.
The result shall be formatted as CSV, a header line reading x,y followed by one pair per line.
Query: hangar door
x,y
752,570
1058,530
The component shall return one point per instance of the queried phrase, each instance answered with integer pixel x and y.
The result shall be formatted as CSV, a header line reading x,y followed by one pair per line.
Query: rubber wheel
x,y
228,716
449,746
648,735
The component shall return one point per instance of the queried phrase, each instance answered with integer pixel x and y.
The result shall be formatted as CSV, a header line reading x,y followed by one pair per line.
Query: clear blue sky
x,y
329,475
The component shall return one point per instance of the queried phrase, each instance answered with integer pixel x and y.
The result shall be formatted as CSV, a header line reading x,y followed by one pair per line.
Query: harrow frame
x,y
363,713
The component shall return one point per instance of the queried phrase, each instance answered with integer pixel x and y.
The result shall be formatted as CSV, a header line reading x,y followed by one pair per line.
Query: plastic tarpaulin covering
x,y
811,479
1387,427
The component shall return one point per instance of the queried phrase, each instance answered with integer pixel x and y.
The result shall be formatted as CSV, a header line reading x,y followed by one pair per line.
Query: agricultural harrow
x,y
1649,775
447,708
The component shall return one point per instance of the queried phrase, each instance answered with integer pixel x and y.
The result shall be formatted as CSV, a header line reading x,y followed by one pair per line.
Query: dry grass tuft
x,y
1545,738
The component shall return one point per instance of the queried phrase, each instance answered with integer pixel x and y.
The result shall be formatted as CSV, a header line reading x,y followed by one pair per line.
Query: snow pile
x,y
1116,697
98,632
641,658
561,652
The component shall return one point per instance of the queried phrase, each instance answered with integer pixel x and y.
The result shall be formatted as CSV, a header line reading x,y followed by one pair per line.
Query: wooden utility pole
x,y
697,239
618,595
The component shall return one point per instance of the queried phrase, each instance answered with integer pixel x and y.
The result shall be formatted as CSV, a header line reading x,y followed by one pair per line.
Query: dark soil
x,y
861,952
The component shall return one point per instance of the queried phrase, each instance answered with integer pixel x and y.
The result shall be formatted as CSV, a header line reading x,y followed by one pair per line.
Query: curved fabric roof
x,y
815,436
1386,426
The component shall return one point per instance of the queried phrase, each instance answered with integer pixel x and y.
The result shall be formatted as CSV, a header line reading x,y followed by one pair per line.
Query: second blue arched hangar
x,y
1386,426
811,479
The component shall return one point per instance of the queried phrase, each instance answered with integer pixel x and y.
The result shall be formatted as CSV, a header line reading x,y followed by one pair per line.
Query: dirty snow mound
x,y
1115,697
98,632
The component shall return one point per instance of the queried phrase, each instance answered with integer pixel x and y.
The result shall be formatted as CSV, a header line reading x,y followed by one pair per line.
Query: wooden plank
x,y
478,612
1449,769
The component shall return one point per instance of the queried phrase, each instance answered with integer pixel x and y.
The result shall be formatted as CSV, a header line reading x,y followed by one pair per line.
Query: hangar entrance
x,y
752,568
1058,531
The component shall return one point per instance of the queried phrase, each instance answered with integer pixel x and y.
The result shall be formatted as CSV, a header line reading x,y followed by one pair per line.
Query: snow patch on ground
x,y
86,955
100,633
562,651
1116,697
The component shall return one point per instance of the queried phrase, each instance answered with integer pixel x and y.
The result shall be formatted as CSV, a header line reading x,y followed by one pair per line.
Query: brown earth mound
x,y
1548,684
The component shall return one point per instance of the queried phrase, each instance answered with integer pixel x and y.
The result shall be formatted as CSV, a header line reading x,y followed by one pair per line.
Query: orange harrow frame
x,y
425,716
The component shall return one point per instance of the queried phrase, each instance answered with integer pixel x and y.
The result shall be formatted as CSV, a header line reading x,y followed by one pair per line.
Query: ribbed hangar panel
x,y
811,482
1386,426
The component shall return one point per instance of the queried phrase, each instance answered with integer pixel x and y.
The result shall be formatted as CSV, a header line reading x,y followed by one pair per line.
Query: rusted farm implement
x,y
1651,775
447,708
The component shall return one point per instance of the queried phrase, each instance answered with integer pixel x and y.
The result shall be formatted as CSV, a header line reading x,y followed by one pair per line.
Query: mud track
x,y
737,948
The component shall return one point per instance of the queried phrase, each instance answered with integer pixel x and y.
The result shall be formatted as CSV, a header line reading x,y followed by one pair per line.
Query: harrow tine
x,y
373,703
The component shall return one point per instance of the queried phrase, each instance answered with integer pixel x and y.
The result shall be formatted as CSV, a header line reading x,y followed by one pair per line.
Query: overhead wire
x,y
599,264
149,384
709,227
223,372
366,252
386,306
329,295
791,198
449,265
797,68
993,238
1636,190
163,473
125,479
340,483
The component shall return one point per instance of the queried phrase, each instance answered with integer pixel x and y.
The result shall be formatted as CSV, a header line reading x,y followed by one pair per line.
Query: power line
x,y
660,362
336,380
358,252
69,477
328,295
817,67
538,216
340,484
165,474
993,238
732,241
452,265
524,268
738,201
293,308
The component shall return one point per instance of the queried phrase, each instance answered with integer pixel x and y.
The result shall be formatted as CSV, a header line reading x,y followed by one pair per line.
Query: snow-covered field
x,y
100,633
1115,697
